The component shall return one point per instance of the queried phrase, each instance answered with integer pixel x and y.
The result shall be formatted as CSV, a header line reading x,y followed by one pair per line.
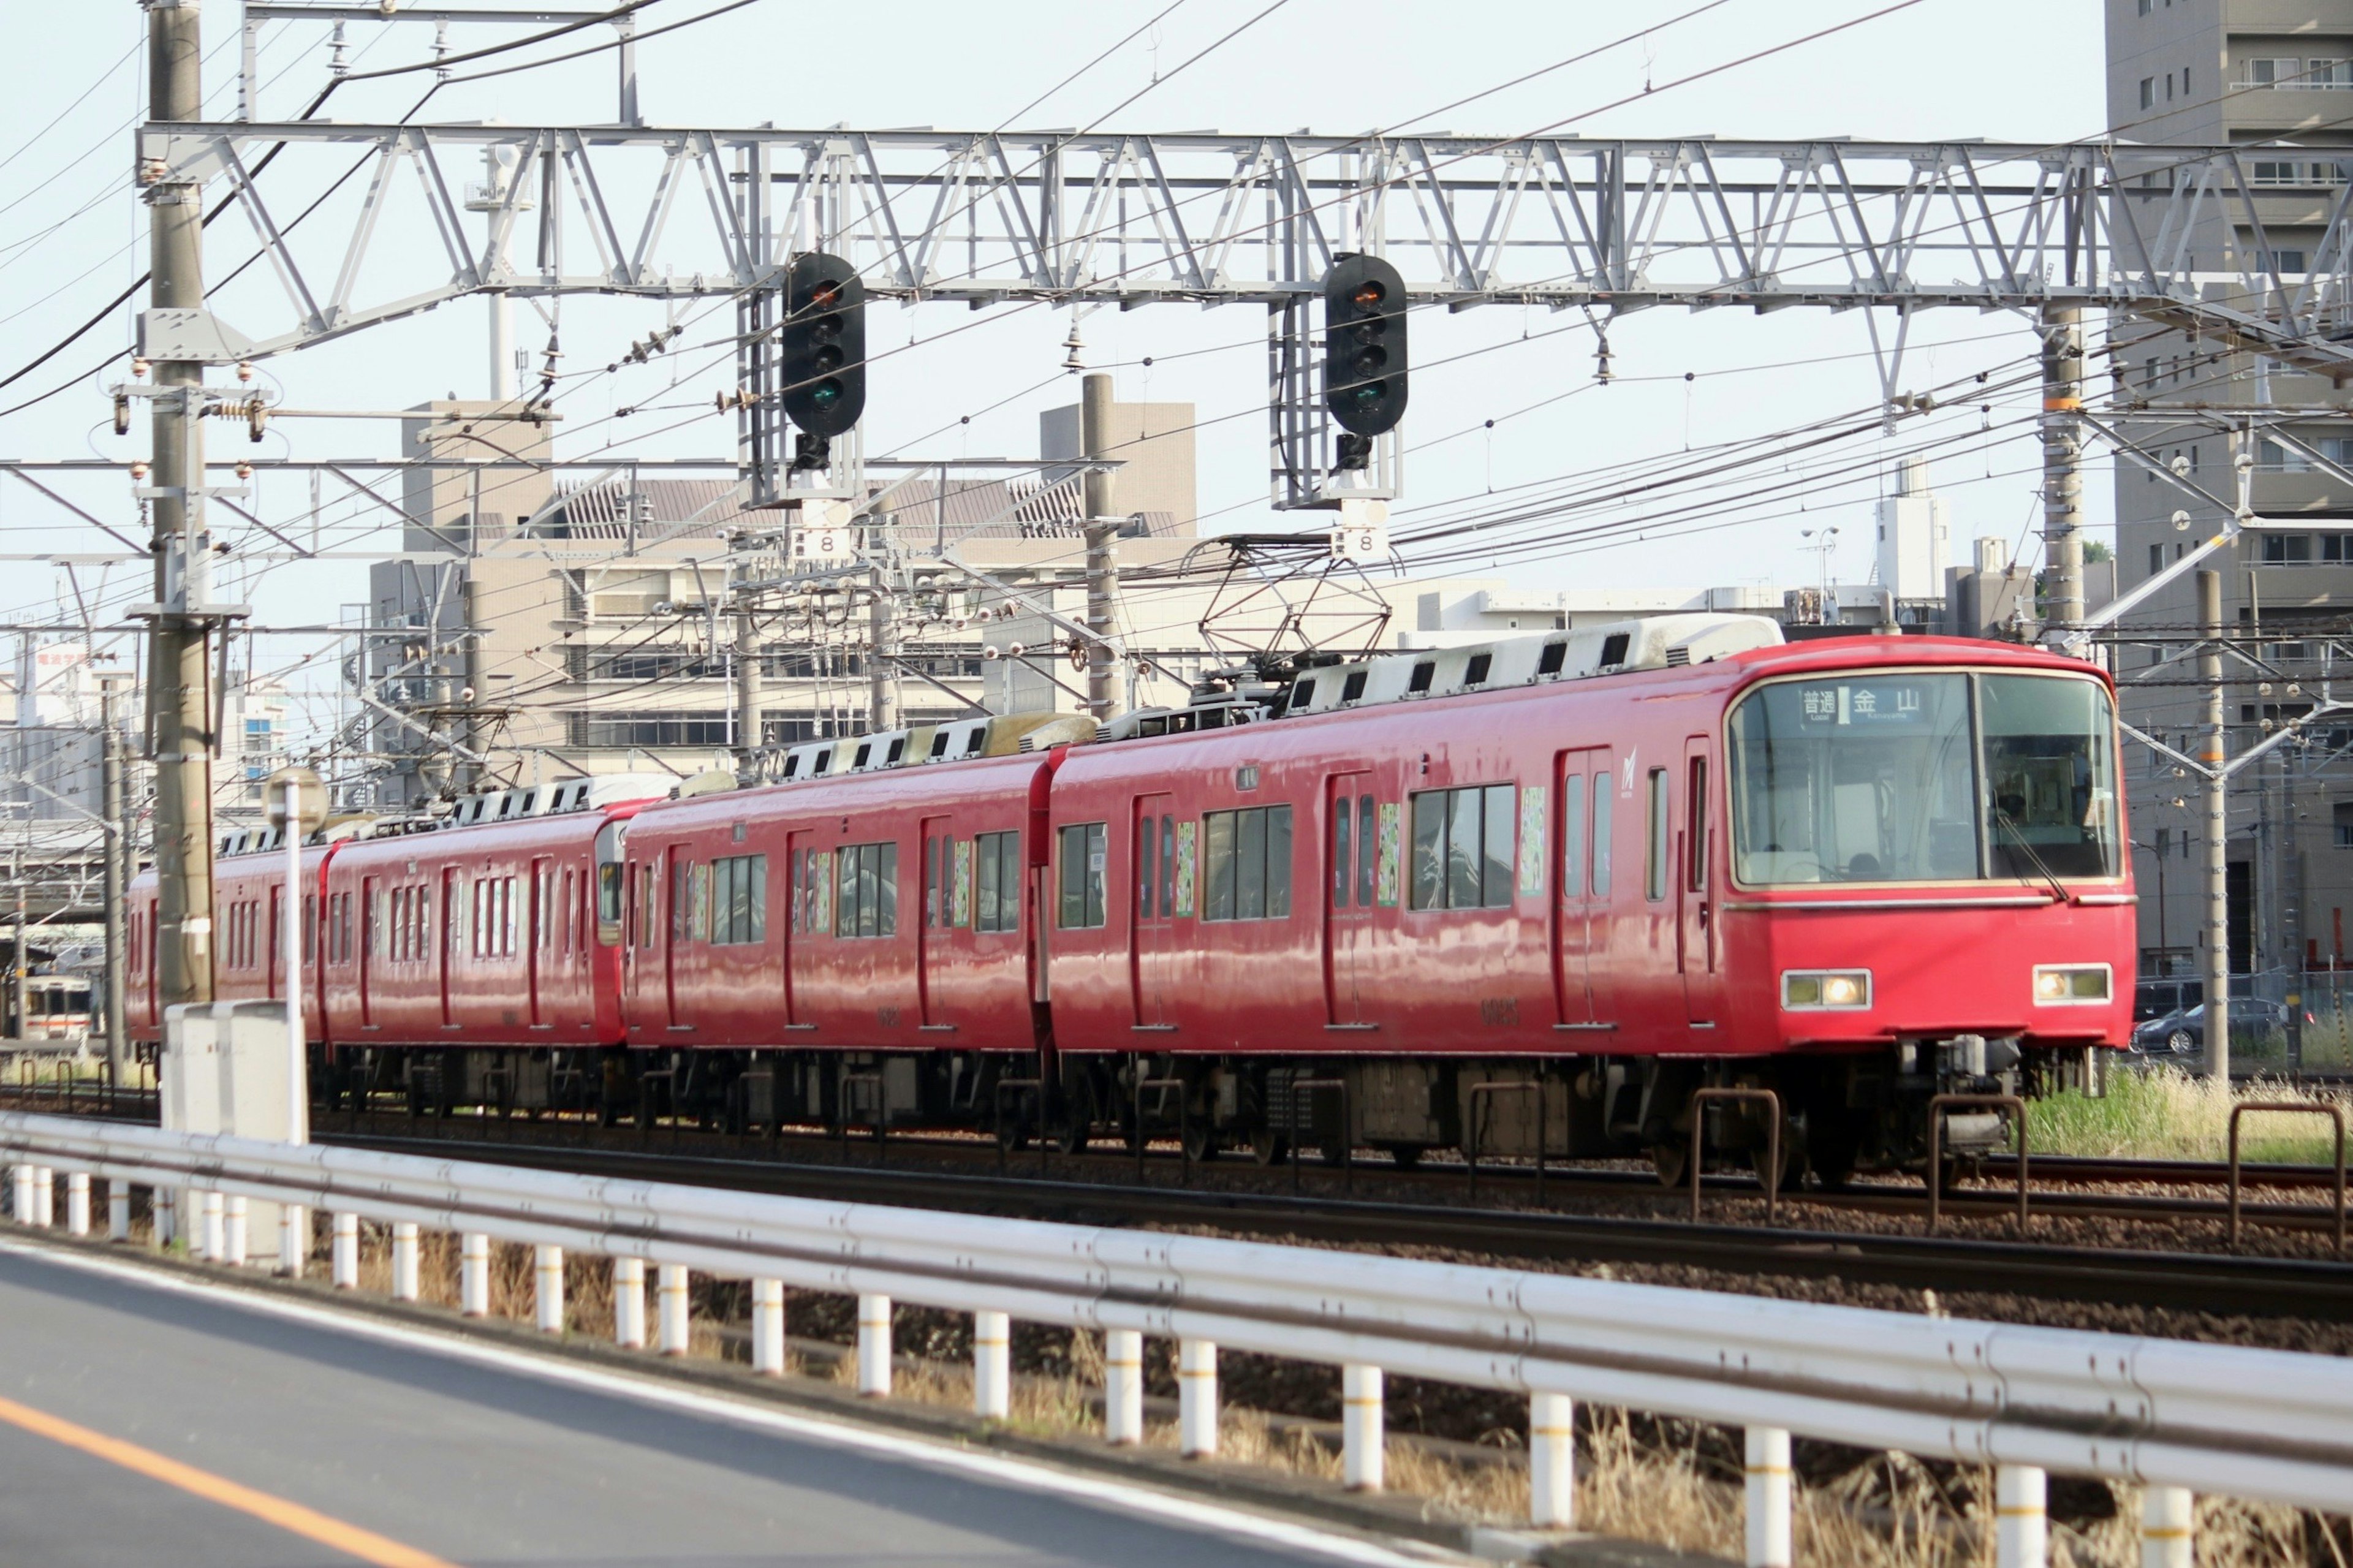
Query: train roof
x,y
595,791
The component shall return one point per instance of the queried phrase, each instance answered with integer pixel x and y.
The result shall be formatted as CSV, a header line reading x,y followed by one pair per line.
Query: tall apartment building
x,y
2275,76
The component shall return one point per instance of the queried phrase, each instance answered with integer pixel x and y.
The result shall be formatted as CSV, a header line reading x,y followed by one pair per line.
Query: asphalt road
x,y
143,1421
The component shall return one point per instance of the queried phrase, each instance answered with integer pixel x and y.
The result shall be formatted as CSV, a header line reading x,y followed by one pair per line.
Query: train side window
x,y
1604,804
998,905
1081,872
611,888
1367,842
1147,858
1654,867
867,902
1462,847
1168,867
1696,808
310,927
739,898
1248,860
1572,835
934,847
1343,858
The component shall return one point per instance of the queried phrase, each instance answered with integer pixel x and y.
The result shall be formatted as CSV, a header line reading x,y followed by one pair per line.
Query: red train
x,y
1532,893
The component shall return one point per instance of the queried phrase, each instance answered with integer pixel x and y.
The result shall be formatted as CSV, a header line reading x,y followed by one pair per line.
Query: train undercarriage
x,y
1838,1113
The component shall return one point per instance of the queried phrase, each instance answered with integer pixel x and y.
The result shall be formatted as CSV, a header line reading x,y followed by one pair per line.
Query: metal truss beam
x,y
1211,217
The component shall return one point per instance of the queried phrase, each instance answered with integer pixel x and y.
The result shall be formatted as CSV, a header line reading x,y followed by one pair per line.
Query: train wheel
x,y
1671,1162
1407,1155
1200,1142
1268,1147
1833,1143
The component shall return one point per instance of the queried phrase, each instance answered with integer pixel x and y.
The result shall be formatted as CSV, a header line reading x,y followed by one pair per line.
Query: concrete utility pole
x,y
1102,529
2062,473
117,879
882,642
747,693
2218,822
179,699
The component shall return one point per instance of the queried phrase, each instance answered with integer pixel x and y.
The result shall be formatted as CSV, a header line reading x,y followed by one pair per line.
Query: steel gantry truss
x,y
1209,217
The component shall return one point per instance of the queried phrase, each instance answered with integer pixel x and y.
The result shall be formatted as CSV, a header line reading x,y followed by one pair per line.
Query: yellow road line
x,y
292,1517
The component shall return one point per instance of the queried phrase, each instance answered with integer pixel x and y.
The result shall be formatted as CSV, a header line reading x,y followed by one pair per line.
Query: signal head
x,y
823,359
1365,348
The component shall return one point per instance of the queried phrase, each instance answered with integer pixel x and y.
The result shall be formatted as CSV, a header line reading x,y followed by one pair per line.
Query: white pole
x,y
45,1200
1196,1398
1767,1465
293,1239
629,1304
874,1345
345,1252
21,1178
1360,1428
117,1209
670,1293
78,1203
1124,1385
403,1260
1551,1461
2168,1522
474,1274
2021,1533
992,1366
547,1271
233,1247
291,926
768,1327
214,1246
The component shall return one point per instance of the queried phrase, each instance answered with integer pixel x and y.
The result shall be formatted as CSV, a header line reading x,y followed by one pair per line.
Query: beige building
x,y
2275,76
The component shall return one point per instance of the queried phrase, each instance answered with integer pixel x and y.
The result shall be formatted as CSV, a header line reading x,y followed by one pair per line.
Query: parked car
x,y
2254,1023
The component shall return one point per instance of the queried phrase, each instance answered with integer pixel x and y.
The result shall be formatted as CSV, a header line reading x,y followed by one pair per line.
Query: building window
x,y
2287,549
1462,847
997,904
1081,872
1247,858
2343,812
2148,92
2325,73
2156,558
867,901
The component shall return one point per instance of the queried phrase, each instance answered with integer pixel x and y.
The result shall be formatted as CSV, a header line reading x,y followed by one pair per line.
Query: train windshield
x,y
1923,778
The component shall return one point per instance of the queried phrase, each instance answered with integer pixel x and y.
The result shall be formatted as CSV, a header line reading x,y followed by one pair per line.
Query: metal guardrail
x,y
2174,1416
2336,1114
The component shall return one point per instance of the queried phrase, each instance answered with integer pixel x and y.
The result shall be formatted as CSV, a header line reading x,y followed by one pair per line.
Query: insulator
x,y
121,414
245,369
1015,650
991,651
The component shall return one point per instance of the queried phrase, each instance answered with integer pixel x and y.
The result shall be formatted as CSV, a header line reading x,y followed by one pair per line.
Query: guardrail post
x,y
874,1345
1196,1398
117,1209
20,1183
293,1239
215,1245
1360,1428
1122,1386
2335,1113
670,1298
1552,1461
2020,1531
768,1327
629,1304
403,1260
45,1212
474,1274
76,1203
343,1256
2168,1522
992,1366
233,1236
547,1280
1766,1460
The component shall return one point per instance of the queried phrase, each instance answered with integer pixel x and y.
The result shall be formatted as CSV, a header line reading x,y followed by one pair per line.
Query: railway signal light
x,y
1363,351
824,336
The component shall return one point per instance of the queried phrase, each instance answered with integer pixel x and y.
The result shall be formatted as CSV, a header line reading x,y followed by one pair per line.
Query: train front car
x,y
1925,891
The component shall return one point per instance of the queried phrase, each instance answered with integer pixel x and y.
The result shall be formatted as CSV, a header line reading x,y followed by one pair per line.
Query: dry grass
x,y
2165,1113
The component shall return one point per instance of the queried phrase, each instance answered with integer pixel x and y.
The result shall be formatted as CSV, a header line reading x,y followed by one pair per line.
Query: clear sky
x,y
72,235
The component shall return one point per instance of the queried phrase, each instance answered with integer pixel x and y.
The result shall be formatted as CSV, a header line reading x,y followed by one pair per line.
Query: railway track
x,y
2192,1281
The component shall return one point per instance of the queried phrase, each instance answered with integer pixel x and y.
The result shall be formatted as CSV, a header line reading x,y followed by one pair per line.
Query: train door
x,y
1152,938
1696,946
1351,840
679,874
1581,789
538,929
931,931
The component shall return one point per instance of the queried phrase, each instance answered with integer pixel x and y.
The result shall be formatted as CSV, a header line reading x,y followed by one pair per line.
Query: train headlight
x,y
1819,990
2078,985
